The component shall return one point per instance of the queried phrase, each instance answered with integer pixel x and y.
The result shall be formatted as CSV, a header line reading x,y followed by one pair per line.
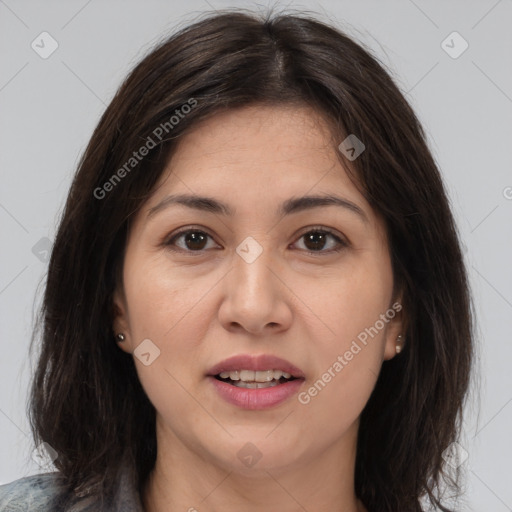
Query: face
x,y
309,283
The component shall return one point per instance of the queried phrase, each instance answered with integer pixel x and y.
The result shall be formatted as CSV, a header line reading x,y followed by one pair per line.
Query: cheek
x,y
352,301
168,313
346,370
168,391
162,299
355,309
167,307
334,404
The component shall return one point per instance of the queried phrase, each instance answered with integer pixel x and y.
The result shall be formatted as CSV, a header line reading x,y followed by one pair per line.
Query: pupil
x,y
195,238
316,244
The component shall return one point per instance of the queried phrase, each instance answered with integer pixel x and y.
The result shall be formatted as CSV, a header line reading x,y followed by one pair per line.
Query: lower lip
x,y
255,399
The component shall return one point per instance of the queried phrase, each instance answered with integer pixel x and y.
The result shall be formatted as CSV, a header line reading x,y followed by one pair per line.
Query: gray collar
x,y
126,497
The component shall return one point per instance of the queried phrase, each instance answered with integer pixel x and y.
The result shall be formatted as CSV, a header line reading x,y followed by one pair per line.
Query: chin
x,y
252,455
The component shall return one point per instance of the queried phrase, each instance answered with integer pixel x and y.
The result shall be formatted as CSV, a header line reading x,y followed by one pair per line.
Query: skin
x,y
202,306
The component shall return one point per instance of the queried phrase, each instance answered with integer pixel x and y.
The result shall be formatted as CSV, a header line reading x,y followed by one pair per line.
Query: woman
x,y
256,298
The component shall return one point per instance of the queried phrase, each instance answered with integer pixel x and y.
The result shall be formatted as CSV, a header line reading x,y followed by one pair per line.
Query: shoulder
x,y
36,493
48,492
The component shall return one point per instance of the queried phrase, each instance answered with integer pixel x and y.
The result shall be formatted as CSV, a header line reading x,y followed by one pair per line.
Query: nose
x,y
255,298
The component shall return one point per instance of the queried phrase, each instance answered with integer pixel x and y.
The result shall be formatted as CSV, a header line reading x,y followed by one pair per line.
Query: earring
x,y
120,337
398,347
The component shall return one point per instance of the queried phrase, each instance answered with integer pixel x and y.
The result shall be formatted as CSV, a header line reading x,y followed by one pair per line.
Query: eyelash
x,y
342,244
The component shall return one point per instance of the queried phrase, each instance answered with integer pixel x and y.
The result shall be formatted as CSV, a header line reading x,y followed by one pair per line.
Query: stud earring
x,y
120,337
398,347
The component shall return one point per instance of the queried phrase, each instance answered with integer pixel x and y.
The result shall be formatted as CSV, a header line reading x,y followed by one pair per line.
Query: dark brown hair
x,y
86,399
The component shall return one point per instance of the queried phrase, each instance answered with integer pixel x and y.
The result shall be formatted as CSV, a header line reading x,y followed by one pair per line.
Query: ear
x,y
395,328
120,322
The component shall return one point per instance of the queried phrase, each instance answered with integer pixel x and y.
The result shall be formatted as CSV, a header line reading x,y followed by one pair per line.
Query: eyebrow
x,y
290,206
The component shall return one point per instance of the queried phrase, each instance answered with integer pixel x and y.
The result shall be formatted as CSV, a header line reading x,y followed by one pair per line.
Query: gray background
x,y
49,108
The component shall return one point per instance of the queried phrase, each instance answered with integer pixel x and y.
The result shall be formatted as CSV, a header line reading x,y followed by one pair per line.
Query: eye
x,y
196,240
315,240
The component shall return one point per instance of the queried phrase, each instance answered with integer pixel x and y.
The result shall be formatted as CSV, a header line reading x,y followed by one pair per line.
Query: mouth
x,y
256,382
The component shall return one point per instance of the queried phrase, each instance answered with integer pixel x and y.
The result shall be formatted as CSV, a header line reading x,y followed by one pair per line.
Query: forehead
x,y
265,149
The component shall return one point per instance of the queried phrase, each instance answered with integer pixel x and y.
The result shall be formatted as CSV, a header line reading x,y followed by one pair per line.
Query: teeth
x,y
247,375
255,385
264,376
255,376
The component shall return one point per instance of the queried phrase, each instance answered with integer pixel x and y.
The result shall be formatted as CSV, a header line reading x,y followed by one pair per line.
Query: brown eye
x,y
316,240
193,240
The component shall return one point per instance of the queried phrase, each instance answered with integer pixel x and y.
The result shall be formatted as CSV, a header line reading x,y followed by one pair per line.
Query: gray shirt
x,y
46,492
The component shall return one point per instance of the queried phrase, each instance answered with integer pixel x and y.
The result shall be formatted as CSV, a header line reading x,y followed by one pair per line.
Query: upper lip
x,y
257,363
